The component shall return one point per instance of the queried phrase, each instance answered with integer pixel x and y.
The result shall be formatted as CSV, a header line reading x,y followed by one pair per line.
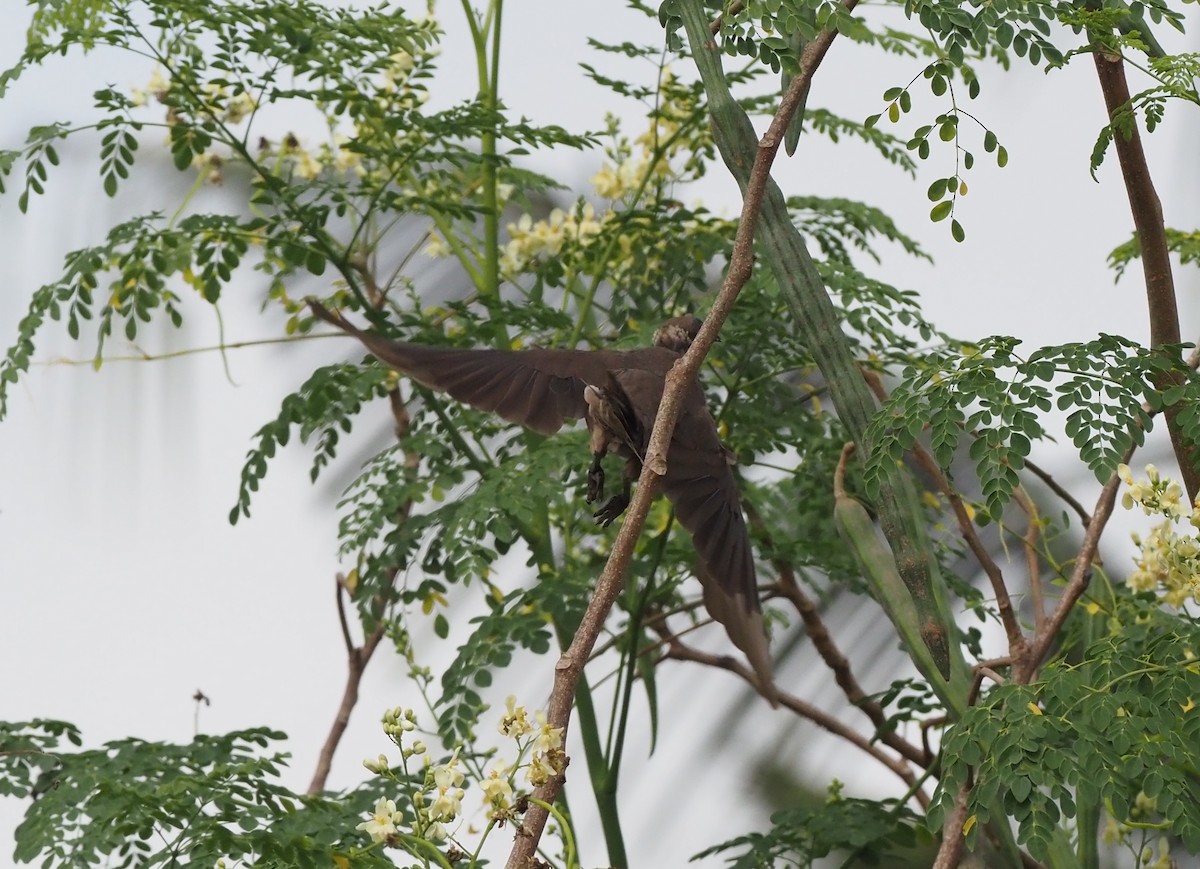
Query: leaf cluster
x,y
314,207
999,400
325,406
869,832
1099,731
511,624
141,803
1185,245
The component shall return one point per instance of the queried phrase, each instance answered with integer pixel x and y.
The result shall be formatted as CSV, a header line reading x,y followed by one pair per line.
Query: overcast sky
x,y
125,588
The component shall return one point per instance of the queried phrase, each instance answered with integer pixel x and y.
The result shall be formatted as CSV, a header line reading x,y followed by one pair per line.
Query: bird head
x,y
678,333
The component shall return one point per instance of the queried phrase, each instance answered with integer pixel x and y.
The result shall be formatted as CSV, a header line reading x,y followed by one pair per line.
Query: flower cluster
x,y
1167,562
546,757
438,801
633,165
396,87
630,169
530,240
1158,494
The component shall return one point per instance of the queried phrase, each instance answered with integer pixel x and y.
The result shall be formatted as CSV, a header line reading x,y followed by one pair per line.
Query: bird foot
x,y
612,508
595,487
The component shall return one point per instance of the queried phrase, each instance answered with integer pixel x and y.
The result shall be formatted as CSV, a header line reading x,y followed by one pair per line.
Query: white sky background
x,y
124,587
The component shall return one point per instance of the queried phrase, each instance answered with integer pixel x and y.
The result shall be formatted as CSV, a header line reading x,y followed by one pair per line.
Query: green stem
x,y
603,781
568,836
489,91
625,688
816,318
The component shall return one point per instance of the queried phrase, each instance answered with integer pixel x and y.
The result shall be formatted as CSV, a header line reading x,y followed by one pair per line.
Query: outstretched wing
x,y
537,388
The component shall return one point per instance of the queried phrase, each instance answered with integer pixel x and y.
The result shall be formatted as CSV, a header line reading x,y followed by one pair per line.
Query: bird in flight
x,y
617,393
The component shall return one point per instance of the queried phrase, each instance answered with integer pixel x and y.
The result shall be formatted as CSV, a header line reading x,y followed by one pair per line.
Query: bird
x,y
617,393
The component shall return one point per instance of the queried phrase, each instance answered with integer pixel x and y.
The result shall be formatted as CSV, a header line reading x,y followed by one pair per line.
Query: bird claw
x,y
612,508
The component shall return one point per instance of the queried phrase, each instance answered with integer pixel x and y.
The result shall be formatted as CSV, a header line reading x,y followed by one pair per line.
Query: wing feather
x,y
537,388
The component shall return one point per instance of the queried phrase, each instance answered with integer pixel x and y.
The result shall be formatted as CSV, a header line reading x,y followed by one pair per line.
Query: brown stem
x,y
1054,486
357,659
982,671
1152,238
842,674
681,375
1026,668
953,838
734,9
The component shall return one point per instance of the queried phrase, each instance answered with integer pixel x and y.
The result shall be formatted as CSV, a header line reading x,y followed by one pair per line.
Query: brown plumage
x,y
617,392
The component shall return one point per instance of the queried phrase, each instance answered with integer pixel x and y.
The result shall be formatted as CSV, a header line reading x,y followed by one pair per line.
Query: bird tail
x,y
743,622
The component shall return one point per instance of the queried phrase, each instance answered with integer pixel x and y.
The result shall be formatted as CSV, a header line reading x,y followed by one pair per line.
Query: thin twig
x,y
1033,561
191,351
679,651
1054,486
982,670
1080,577
790,589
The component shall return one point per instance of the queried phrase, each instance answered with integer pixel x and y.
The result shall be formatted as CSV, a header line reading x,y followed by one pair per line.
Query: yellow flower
x,y
448,780
548,738
607,183
306,165
540,770
382,822
239,107
514,722
437,247
497,792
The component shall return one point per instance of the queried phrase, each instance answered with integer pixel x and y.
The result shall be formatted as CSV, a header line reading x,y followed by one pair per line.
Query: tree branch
x,y
1025,669
1152,238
